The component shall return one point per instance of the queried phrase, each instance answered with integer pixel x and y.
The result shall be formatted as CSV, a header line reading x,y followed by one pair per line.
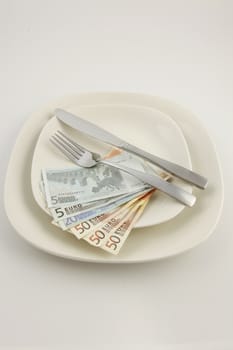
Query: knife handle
x,y
174,169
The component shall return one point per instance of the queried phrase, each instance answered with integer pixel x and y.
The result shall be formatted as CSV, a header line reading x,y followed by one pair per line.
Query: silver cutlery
x,y
85,158
107,137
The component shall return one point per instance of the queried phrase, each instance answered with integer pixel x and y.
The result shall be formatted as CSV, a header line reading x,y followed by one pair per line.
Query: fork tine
x,y
54,141
81,148
68,145
82,156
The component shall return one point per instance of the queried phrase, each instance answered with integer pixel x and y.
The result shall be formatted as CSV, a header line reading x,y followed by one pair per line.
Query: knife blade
x,y
100,134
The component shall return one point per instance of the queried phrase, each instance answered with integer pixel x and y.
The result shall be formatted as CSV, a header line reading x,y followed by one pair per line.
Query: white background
x,y
182,50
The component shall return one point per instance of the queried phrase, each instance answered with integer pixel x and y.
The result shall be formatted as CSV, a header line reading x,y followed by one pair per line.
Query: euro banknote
x,y
83,216
88,229
100,205
81,185
116,238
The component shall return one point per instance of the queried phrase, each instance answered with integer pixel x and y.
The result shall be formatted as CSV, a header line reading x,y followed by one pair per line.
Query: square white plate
x,y
184,232
144,127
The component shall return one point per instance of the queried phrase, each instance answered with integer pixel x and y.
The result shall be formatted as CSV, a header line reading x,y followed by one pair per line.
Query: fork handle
x,y
172,190
174,169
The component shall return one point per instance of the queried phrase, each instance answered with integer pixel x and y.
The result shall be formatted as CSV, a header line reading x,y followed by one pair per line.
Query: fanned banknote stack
x,y
100,204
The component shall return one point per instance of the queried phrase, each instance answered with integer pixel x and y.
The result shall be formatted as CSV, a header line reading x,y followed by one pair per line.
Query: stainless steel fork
x,y
85,158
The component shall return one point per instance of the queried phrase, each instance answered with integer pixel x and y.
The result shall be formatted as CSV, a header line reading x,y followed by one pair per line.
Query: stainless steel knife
x,y
100,134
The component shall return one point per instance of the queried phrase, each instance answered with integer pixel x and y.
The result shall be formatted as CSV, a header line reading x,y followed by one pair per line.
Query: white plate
x,y
144,127
182,233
